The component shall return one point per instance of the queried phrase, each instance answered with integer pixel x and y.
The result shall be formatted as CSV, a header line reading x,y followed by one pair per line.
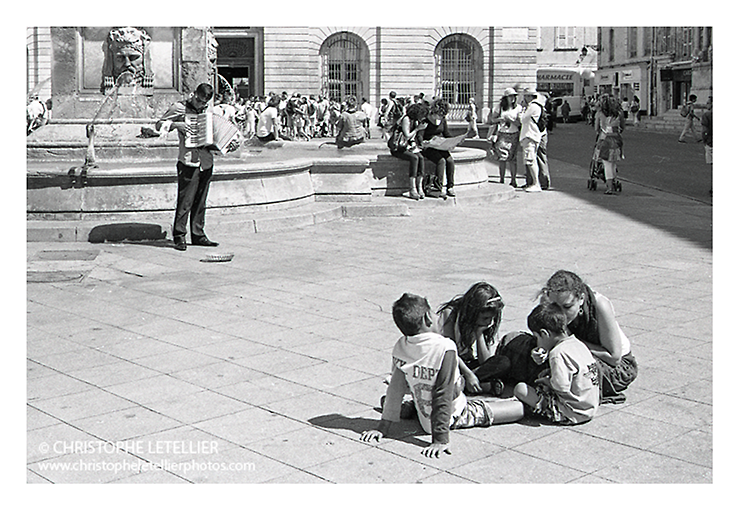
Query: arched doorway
x,y
344,66
459,73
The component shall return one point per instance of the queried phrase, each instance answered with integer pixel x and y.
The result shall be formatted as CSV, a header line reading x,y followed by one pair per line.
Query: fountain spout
x,y
90,153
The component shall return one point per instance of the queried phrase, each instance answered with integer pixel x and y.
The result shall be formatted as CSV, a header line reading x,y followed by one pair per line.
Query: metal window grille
x,y
341,75
456,75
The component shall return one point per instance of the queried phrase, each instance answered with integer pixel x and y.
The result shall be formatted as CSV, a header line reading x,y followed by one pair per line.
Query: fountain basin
x,y
254,179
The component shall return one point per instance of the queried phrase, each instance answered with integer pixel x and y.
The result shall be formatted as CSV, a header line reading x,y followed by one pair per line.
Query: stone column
x,y
196,68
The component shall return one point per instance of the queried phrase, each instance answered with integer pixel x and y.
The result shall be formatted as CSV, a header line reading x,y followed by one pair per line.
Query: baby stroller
x,y
597,172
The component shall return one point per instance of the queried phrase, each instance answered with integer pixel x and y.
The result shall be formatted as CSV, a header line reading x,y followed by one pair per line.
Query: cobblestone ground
x,y
161,368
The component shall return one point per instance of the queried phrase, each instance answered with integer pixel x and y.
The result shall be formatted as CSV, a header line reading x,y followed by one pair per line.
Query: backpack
x,y
684,111
396,110
290,106
543,119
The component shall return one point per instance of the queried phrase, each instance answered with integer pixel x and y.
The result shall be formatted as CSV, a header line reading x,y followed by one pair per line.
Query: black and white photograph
x,y
393,250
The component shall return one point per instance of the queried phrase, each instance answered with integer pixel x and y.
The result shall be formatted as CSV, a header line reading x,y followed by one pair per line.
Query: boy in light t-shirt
x,y
570,393
425,364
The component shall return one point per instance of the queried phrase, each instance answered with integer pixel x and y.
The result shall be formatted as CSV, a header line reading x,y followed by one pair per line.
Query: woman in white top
x,y
504,134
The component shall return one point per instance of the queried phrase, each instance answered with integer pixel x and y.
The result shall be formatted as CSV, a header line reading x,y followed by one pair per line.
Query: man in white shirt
x,y
530,136
369,113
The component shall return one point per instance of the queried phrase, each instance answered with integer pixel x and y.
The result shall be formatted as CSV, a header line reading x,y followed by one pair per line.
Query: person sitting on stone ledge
x,y
350,126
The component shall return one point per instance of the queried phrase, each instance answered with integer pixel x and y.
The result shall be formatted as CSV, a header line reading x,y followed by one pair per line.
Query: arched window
x,y
459,72
344,66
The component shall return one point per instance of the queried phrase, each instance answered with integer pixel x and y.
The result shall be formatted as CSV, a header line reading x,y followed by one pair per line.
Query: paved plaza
x,y
147,365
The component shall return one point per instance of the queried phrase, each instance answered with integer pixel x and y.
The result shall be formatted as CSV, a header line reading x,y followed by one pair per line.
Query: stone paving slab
x,y
278,357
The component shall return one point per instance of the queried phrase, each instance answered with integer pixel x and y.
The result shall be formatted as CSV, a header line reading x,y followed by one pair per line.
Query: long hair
x,y
610,106
505,104
417,111
467,308
440,107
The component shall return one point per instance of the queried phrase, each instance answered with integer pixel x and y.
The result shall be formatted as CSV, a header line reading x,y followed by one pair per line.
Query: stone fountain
x,y
97,159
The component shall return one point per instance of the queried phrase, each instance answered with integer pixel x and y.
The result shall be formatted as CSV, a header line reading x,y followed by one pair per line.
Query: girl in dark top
x,y
472,321
437,126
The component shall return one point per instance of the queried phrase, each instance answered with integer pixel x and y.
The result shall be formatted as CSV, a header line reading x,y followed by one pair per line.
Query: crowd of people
x,y
299,116
574,358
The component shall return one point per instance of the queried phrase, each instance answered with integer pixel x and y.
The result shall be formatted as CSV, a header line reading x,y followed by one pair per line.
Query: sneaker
x,y
450,192
414,195
532,189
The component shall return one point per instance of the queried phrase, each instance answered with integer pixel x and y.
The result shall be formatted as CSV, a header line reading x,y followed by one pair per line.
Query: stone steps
x,y
224,223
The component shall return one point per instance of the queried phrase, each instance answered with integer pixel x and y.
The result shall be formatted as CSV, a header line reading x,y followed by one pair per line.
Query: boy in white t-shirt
x,y
425,364
570,393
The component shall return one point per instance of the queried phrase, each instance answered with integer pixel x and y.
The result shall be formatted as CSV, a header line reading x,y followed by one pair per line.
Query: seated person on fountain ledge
x,y
350,125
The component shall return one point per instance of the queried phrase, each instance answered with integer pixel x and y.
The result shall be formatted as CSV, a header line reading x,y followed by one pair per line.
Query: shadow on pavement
x,y
665,183
404,430
117,232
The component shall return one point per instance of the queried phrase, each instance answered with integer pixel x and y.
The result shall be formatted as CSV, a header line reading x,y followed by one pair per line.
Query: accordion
x,y
212,131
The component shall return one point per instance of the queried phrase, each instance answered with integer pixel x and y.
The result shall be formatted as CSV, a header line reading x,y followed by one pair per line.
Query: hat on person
x,y
529,91
510,92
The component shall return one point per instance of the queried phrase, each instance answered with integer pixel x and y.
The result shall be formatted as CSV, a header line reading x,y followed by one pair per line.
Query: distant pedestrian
x,y
707,134
609,124
636,110
585,110
542,160
506,125
688,111
369,115
471,118
530,136
625,107
566,112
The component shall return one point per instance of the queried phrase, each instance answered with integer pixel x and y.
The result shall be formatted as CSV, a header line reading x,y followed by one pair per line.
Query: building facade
x,y
566,59
449,62
572,48
660,65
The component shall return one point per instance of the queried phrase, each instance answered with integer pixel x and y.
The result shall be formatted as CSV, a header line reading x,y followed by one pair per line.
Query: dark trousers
x,y
444,164
415,162
192,194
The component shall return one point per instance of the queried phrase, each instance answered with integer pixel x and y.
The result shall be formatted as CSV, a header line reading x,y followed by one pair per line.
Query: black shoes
x,y
181,245
203,241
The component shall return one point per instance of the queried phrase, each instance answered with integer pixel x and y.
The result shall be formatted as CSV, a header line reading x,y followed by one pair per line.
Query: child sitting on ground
x,y
570,393
425,363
